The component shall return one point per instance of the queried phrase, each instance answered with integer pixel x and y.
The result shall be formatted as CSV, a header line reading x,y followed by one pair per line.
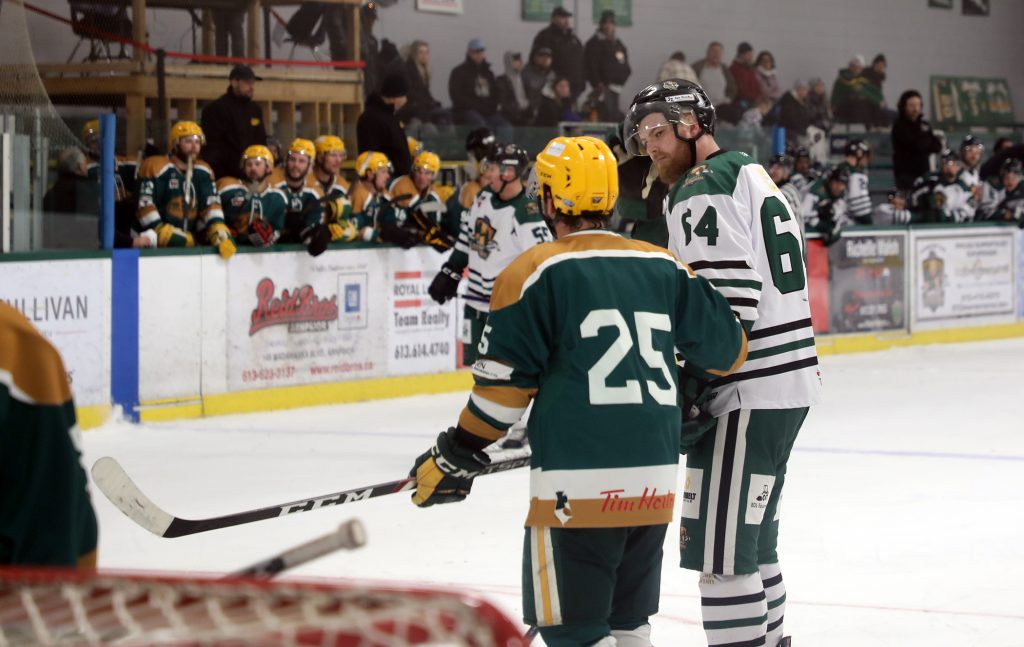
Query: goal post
x,y
59,607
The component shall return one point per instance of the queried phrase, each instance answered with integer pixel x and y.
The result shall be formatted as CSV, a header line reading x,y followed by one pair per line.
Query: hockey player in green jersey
x,y
177,196
729,222
586,326
858,195
502,223
253,209
415,212
943,196
46,517
304,218
824,206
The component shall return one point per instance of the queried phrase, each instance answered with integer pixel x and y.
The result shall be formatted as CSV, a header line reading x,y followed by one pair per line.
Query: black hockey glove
x,y
316,238
446,284
404,237
695,393
433,235
444,474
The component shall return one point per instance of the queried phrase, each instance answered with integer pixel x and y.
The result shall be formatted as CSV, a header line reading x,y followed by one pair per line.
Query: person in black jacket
x,y
378,129
794,115
474,91
422,107
912,141
607,65
233,123
566,50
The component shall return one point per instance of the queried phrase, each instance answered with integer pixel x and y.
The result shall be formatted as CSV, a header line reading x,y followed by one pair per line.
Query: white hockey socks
x,y
734,609
639,637
775,593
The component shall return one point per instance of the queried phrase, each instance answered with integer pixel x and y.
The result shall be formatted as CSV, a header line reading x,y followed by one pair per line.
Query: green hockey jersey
x,y
492,234
570,327
46,517
162,195
729,222
243,204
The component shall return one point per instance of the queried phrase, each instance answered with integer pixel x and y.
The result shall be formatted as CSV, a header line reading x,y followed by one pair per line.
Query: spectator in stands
x,y
274,146
850,102
369,47
566,50
912,141
561,107
794,114
512,98
742,68
421,108
767,81
717,81
378,128
1002,144
754,117
227,26
334,25
818,105
607,66
676,67
233,122
46,514
473,90
538,75
875,97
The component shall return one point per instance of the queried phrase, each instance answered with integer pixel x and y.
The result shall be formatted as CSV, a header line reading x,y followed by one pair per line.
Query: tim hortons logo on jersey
x,y
301,309
483,237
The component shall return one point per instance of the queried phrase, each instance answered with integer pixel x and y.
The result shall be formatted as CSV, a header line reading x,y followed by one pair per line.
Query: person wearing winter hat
x,y
378,128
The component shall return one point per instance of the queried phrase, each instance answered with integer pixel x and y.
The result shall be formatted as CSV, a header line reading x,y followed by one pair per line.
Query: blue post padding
x,y
124,332
778,140
108,129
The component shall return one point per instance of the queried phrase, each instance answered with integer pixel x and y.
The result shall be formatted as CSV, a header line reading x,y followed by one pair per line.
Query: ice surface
x,y
902,518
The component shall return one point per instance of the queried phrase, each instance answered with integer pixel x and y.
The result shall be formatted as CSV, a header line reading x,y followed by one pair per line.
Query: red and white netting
x,y
39,607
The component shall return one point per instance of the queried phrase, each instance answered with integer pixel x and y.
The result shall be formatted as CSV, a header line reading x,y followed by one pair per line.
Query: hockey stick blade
x,y
348,535
115,483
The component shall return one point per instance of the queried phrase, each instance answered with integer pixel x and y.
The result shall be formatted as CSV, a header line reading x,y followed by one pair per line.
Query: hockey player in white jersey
x,y
858,195
971,150
732,225
501,224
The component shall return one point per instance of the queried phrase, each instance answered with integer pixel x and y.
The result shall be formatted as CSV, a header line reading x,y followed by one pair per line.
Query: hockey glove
x,y
343,230
402,236
261,234
446,284
433,235
167,235
445,473
695,393
315,238
220,237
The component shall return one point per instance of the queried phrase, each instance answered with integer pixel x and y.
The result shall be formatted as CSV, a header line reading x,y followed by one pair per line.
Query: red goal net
x,y
40,607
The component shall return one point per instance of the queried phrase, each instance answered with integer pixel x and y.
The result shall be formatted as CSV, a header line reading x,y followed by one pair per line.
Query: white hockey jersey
x,y
729,222
858,198
491,235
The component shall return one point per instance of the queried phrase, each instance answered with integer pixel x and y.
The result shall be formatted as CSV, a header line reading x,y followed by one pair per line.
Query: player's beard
x,y
672,168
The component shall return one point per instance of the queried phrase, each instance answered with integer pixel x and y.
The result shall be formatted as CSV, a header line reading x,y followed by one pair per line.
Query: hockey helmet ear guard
x,y
678,102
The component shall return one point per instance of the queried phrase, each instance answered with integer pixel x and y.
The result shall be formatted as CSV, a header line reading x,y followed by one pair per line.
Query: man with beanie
x,y
474,91
742,68
233,123
607,64
566,50
378,129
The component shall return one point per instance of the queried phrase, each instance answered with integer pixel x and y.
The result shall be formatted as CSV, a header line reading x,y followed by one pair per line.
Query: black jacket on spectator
x,y
534,80
553,110
231,124
473,87
794,116
566,55
378,129
419,102
912,143
607,61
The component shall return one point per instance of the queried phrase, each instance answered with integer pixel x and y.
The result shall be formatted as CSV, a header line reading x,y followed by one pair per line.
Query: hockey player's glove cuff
x,y
445,473
695,394
446,284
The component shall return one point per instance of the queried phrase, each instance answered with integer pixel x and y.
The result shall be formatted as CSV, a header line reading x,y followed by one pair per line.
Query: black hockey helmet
x,y
509,155
478,141
678,101
970,141
800,153
857,148
839,173
948,155
784,160
1011,165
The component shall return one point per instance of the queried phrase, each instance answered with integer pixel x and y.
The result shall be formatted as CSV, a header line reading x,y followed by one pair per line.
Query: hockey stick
x,y
115,483
350,534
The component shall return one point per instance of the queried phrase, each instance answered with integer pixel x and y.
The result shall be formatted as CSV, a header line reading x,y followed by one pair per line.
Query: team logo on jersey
x,y
483,237
238,201
300,309
173,184
696,174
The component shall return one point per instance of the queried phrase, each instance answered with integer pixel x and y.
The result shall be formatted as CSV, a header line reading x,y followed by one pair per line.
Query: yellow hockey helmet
x,y
329,144
581,174
302,146
427,161
415,146
370,162
91,129
184,129
258,152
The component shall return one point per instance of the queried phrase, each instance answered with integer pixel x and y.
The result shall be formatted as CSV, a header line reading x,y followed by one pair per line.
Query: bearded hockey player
x,y
729,222
943,196
416,212
602,489
330,153
304,218
858,195
253,208
369,193
825,205
177,197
